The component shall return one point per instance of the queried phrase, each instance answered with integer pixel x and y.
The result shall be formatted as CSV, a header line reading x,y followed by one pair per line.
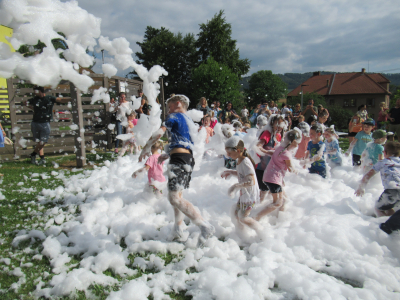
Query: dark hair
x,y
140,91
240,146
361,106
317,128
39,88
323,113
122,93
392,148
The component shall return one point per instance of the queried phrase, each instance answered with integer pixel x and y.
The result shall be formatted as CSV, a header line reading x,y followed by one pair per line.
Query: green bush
x,y
339,117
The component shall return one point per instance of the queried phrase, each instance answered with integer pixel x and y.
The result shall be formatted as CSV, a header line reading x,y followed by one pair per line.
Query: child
x,y
180,165
332,145
227,121
305,130
129,130
389,201
155,170
374,151
206,124
249,193
276,170
302,119
315,152
360,141
237,126
228,132
214,120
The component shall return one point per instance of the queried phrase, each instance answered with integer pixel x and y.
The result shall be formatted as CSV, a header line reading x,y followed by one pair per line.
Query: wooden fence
x,y
92,120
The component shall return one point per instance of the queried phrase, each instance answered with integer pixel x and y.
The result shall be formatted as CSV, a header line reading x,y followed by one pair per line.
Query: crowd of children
x,y
315,146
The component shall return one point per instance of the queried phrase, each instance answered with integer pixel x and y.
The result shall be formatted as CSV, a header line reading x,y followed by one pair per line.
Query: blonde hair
x,y
302,118
331,131
382,104
211,114
157,145
201,100
179,98
133,113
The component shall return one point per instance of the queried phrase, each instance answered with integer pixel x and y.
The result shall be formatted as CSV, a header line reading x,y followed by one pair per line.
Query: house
x,y
349,90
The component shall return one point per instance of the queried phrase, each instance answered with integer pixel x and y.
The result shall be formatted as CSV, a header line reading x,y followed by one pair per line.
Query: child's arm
x,y
353,143
138,172
289,166
154,138
361,188
261,151
228,173
250,181
381,156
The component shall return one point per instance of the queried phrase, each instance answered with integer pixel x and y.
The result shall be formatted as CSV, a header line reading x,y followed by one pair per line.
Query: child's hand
x,y
360,192
232,190
134,175
226,174
347,153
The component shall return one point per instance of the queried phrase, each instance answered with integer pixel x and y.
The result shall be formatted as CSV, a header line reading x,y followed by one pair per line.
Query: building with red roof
x,y
349,90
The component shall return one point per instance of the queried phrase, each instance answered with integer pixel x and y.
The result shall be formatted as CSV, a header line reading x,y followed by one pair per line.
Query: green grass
x,y
20,210
344,144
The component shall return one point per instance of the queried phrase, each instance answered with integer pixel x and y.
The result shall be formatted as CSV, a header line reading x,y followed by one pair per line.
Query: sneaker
x,y
33,159
206,232
42,162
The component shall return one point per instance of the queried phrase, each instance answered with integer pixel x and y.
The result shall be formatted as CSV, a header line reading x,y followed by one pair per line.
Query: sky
x,y
288,36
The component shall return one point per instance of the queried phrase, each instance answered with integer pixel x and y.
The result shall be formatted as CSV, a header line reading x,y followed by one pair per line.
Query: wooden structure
x,y
77,124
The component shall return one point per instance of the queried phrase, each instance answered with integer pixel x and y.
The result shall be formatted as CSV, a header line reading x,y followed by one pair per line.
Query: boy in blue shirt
x,y
374,151
180,165
360,141
315,150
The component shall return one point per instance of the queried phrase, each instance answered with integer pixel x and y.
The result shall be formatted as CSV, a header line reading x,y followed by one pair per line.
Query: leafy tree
x,y
318,99
28,50
174,52
216,82
340,117
214,39
265,86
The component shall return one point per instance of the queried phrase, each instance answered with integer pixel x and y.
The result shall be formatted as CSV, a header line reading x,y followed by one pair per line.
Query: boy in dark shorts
x,y
180,165
389,201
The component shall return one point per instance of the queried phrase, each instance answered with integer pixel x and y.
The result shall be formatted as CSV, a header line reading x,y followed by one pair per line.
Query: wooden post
x,y
77,118
161,82
13,116
108,116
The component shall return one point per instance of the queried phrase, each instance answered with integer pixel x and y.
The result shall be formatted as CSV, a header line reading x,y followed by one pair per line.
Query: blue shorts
x,y
320,172
40,132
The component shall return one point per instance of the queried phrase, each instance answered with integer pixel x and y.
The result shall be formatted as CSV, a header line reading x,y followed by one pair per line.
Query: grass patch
x,y
344,144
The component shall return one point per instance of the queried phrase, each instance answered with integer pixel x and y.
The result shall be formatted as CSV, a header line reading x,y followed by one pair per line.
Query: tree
x,y
318,99
340,117
174,52
214,39
28,50
216,82
265,86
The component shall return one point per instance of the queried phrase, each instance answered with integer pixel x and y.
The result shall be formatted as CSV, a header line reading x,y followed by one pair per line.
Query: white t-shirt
x,y
285,111
274,110
123,111
390,172
247,194
245,112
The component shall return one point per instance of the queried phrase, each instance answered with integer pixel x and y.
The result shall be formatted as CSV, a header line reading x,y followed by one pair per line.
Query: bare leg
x,y
384,213
245,219
277,203
123,150
39,148
263,195
187,208
240,225
285,197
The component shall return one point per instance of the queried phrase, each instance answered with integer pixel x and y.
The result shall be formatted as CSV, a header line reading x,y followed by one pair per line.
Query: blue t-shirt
x,y
178,128
318,165
362,140
333,145
373,151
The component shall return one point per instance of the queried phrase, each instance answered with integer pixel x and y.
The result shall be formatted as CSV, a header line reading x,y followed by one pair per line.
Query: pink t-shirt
x,y
209,133
301,151
134,122
213,122
156,169
277,168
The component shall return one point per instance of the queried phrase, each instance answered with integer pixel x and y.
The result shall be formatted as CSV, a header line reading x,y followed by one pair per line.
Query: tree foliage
x,y
216,82
27,50
174,52
340,117
265,86
214,39
318,99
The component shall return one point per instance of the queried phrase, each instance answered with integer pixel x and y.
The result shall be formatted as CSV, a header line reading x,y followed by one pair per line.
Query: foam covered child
x,y
249,194
389,201
154,169
374,150
332,145
360,141
315,152
206,121
305,131
131,142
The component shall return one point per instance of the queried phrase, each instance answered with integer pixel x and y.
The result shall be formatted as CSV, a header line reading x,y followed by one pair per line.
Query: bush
x,y
339,117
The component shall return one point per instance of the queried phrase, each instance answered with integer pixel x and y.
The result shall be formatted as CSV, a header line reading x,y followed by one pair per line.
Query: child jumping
x,y
315,152
249,192
180,165
360,141
389,201
155,170
276,170
332,145
131,143
374,151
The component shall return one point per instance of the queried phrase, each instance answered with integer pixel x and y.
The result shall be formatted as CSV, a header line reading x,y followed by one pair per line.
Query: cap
x,y
378,134
369,121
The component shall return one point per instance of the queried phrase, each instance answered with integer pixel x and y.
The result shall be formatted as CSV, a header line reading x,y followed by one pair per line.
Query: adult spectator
x,y
394,118
245,114
228,113
288,115
144,108
355,126
295,115
203,106
310,111
382,116
273,107
362,112
42,107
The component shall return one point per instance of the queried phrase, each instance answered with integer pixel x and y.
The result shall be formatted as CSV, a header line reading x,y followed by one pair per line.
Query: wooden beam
x,y
78,119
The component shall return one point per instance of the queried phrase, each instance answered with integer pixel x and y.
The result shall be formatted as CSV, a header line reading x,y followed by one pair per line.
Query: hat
x,y
378,134
369,121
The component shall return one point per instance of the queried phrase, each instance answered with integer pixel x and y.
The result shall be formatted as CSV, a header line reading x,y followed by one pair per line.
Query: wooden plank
x,y
78,119
50,149
94,106
13,114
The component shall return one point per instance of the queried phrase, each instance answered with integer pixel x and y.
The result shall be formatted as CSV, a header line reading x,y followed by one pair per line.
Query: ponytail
x,y
246,154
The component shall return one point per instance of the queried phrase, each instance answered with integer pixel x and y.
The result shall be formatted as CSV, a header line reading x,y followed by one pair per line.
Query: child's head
x,y
379,136
227,120
305,128
368,125
237,125
330,132
382,105
206,121
261,121
132,116
278,122
301,118
234,148
211,114
392,149
156,146
323,116
315,133
177,103
292,138
314,120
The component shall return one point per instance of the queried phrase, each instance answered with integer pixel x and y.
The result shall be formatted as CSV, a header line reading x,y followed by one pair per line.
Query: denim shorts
x,y
40,132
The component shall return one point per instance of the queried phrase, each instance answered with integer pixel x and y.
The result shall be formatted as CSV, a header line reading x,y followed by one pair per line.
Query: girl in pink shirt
x,y
214,120
155,169
276,170
206,125
130,143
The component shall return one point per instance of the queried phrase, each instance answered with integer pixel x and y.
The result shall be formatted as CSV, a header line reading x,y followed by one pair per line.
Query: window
x,y
331,102
352,102
346,102
370,102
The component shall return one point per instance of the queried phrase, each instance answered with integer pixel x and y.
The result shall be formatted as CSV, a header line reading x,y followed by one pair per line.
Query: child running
x,y
315,152
389,201
131,143
249,192
374,151
180,165
155,170
360,141
332,146
276,170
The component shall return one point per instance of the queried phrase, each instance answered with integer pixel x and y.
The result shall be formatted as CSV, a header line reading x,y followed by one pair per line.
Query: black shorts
x,y
180,169
352,134
274,188
261,184
390,198
356,160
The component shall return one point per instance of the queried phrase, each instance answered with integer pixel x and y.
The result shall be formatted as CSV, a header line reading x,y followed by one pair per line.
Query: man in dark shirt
x,y
42,107
394,118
